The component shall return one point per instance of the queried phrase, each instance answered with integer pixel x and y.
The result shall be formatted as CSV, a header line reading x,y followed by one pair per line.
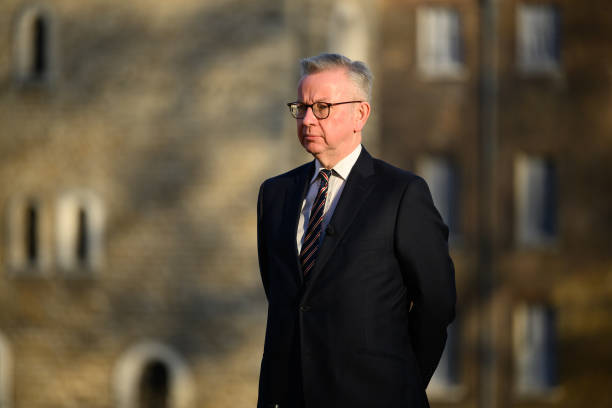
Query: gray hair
x,y
357,71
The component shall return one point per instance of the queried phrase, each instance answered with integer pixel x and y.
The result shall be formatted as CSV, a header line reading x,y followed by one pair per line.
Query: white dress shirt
x,y
337,181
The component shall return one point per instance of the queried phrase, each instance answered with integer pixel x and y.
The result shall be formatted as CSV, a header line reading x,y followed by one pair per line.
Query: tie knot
x,y
325,174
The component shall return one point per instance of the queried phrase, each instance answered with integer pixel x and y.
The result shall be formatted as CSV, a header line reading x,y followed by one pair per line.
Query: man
x,y
354,261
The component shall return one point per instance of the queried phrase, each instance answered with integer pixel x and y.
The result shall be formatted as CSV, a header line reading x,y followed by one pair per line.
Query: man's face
x,y
334,137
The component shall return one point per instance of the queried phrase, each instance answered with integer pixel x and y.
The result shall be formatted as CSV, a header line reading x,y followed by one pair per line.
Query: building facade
x,y
504,108
134,139
135,135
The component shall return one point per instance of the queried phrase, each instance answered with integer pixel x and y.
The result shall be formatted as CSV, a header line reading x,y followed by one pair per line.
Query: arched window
x,y
154,385
40,48
35,45
31,230
79,231
5,373
82,242
28,235
151,375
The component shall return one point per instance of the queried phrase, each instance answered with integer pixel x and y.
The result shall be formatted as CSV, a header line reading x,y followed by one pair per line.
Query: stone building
x,y
504,107
135,135
134,138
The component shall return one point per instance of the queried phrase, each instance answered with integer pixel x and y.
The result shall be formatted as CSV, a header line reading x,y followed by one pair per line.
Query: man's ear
x,y
362,113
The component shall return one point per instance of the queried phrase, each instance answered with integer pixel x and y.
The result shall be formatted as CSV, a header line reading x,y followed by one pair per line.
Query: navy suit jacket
x,y
366,327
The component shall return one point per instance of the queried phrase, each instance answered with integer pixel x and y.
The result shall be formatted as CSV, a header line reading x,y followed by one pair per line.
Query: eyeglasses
x,y
319,109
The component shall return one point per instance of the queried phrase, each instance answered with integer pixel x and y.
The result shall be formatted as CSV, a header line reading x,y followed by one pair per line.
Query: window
x,y
439,42
151,375
31,239
5,373
27,251
535,363
154,385
535,201
445,385
538,42
40,48
79,231
442,177
34,45
348,31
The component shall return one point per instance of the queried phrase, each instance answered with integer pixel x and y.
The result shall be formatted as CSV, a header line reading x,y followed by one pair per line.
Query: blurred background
x,y
134,136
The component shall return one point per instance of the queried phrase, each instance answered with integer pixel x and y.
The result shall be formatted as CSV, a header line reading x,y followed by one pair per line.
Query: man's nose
x,y
309,117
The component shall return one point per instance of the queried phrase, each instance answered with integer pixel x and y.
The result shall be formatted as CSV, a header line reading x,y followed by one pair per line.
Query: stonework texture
x,y
172,113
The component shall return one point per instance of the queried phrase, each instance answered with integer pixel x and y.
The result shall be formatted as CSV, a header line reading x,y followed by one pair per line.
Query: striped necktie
x,y
310,246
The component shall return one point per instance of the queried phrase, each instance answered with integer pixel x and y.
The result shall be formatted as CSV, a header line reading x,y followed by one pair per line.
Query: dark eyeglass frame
x,y
293,108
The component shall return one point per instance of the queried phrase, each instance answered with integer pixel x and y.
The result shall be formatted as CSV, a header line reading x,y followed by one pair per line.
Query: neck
x,y
332,158
329,161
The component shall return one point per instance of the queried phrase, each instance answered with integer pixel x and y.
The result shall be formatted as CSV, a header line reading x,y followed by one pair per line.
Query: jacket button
x,y
304,308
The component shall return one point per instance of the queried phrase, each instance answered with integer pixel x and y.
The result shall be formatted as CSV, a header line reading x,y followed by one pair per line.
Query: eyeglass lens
x,y
320,110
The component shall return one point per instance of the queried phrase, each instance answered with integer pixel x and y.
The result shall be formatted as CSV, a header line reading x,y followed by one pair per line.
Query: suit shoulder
x,y
395,174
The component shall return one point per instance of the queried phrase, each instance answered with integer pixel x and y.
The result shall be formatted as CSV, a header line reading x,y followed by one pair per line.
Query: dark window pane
x,y
82,247
154,386
39,68
31,234
549,213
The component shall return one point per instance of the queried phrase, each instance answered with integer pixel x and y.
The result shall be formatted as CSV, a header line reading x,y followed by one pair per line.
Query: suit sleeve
x,y
422,248
261,251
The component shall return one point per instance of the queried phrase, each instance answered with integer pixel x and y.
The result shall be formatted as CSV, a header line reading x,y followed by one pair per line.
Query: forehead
x,y
324,85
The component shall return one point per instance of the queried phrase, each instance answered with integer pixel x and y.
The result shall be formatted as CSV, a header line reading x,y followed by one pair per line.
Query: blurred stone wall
x,y
159,121
561,115
172,114
162,119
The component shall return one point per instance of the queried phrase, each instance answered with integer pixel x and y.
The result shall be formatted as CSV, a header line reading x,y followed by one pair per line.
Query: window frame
x,y
552,65
530,221
522,320
450,69
17,259
68,207
24,49
450,210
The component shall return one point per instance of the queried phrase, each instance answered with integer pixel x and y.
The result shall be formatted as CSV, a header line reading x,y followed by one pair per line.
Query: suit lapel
x,y
358,186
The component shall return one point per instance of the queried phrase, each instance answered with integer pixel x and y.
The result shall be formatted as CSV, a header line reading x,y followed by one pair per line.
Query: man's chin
x,y
313,148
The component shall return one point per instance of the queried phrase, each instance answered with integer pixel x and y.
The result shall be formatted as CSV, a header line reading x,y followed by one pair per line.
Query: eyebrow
x,y
302,102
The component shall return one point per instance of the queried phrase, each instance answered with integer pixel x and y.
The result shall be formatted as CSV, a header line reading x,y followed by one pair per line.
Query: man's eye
x,y
320,106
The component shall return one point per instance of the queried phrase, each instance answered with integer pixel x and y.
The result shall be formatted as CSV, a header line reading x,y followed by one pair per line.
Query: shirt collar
x,y
343,168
